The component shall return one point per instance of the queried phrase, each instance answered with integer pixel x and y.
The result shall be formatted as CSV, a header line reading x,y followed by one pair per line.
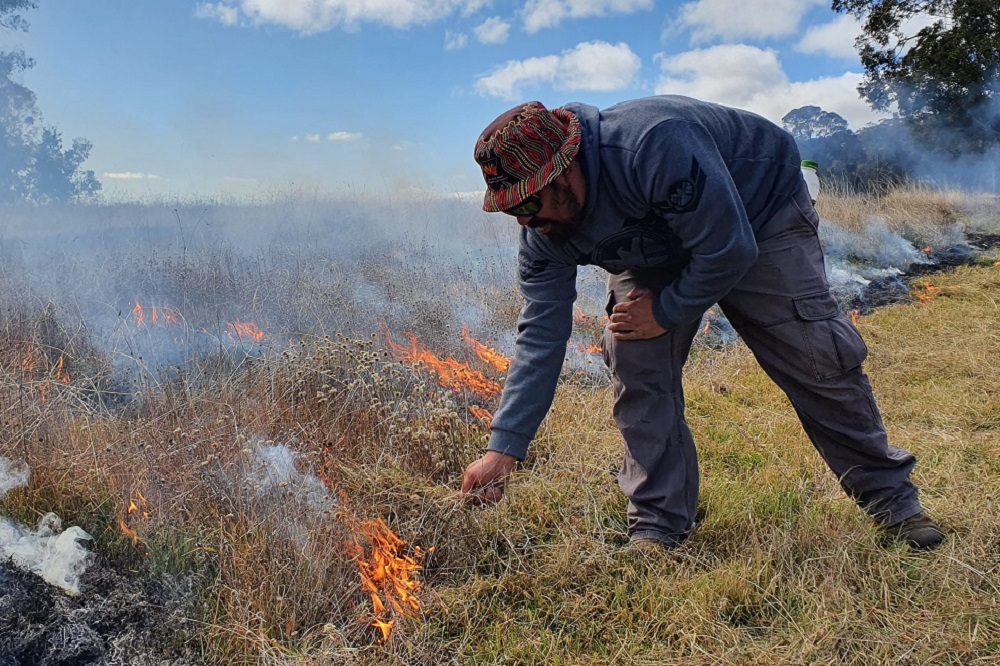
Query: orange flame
x,y
128,531
927,250
157,316
387,575
35,363
61,375
142,507
245,330
137,507
483,415
138,315
30,361
581,318
491,357
451,374
925,292
855,317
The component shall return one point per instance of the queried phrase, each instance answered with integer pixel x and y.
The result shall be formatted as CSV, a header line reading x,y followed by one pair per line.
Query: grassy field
x,y
266,476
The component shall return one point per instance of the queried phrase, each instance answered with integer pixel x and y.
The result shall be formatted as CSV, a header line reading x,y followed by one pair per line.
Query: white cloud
x,y
540,14
493,30
132,175
312,138
453,41
753,79
591,66
344,136
741,19
225,14
313,16
834,39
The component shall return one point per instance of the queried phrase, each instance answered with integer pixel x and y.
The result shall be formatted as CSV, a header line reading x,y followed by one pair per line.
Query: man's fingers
x,y
484,496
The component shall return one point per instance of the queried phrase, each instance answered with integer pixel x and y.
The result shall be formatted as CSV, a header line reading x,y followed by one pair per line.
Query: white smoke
x,y
875,246
11,478
273,473
52,554
855,259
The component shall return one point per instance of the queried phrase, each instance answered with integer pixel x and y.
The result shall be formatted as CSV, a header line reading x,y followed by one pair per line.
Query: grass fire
x,y
247,448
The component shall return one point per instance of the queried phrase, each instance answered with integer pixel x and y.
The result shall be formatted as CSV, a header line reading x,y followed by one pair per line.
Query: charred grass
x,y
256,469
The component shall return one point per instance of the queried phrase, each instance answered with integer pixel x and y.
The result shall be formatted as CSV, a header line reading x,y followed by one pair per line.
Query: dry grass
x,y
911,209
784,570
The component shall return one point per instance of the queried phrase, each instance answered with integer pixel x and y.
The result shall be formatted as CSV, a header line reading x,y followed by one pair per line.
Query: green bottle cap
x,y
809,164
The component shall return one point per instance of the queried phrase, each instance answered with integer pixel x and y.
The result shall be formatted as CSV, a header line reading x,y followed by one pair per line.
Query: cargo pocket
x,y
835,346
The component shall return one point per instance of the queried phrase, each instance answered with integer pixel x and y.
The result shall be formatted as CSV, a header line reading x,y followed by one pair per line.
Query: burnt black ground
x,y
895,289
114,621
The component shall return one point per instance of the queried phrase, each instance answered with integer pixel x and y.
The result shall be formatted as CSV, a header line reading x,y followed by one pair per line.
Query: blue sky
x,y
247,97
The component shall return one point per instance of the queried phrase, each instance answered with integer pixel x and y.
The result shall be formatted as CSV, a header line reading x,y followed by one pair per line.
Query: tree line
x,y
942,84
35,166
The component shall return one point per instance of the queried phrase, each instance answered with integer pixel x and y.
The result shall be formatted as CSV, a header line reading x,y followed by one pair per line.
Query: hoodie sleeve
x,y
681,174
543,328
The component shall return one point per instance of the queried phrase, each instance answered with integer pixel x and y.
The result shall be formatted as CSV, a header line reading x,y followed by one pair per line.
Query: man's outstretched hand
x,y
484,479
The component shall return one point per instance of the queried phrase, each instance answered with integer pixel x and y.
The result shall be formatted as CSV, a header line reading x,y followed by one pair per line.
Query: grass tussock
x,y
253,471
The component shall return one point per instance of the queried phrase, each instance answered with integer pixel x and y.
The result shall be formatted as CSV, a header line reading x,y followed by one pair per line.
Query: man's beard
x,y
560,232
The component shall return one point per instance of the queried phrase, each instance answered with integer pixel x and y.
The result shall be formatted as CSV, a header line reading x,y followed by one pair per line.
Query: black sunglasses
x,y
530,206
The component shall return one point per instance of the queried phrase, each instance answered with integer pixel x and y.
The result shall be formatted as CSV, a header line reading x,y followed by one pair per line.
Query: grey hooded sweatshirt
x,y
674,185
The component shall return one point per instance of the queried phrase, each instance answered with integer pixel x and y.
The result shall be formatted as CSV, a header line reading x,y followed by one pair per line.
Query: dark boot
x,y
919,532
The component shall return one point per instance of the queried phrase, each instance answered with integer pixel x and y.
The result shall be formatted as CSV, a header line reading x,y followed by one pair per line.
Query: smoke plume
x,y
48,551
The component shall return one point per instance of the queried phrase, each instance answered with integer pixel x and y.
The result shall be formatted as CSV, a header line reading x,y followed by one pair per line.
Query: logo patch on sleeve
x,y
684,194
529,268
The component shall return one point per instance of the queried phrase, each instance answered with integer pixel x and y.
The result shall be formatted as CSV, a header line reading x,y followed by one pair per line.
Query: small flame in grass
x,y
142,508
581,318
128,531
248,330
30,361
138,508
483,415
855,317
925,292
487,355
157,316
61,375
927,250
451,374
996,264
387,575
34,365
589,349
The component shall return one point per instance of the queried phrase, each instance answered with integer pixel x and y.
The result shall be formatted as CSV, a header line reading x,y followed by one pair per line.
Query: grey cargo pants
x,y
783,310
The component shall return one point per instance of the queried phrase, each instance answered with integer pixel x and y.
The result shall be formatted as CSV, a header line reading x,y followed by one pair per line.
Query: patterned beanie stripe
x,y
524,150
